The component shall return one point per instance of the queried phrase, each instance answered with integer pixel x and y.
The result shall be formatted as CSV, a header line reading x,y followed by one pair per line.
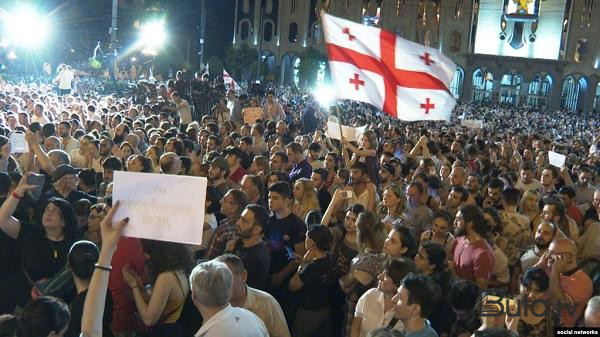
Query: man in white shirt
x,y
258,302
211,283
183,109
526,180
65,80
272,109
68,142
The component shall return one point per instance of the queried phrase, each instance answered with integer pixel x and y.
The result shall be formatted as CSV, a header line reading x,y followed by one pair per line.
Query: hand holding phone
x,y
35,179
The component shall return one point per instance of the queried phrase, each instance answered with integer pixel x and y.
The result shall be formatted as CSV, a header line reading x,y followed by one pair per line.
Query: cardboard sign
x,y
350,133
556,159
473,123
18,143
251,115
161,206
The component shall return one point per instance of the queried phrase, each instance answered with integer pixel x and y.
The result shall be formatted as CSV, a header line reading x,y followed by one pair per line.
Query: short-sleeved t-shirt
x,y
317,280
257,262
282,233
473,261
76,308
579,287
41,258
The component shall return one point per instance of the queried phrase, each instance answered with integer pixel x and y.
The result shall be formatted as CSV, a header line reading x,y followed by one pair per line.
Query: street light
x,y
152,37
26,27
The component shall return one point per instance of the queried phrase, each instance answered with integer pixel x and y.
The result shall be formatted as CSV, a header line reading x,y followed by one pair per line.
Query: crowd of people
x,y
416,229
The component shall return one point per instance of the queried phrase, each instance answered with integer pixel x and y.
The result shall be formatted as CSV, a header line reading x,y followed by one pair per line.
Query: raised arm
x,y
34,145
10,225
93,308
333,206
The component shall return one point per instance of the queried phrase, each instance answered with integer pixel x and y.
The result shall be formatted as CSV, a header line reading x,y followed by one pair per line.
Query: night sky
x,y
79,24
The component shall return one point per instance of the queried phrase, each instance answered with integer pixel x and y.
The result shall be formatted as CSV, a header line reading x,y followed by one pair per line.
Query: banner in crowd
x,y
350,133
250,115
402,78
160,206
556,159
472,123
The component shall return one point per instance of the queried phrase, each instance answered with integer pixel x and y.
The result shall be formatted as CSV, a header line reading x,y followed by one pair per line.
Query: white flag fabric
x,y
402,78
229,82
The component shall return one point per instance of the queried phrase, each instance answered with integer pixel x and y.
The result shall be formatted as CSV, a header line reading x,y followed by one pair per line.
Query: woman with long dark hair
x,y
169,265
43,246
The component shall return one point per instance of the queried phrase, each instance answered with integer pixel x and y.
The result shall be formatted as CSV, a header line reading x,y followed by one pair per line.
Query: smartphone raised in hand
x,y
35,179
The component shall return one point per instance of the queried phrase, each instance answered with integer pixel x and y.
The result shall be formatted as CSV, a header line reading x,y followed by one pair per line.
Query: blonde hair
x,y
309,200
526,195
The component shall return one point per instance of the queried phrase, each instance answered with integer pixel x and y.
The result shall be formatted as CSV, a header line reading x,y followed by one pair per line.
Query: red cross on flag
x,y
229,82
402,78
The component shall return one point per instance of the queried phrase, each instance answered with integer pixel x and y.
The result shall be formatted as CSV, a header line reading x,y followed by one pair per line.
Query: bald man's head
x,y
565,250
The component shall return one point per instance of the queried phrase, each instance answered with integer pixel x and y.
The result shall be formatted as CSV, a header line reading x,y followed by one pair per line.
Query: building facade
x,y
544,53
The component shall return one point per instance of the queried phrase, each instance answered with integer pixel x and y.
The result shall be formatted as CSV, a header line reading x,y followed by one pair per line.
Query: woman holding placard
x,y
169,265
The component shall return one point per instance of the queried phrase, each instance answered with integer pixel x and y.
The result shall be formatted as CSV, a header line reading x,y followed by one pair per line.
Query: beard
x,y
460,231
243,234
541,244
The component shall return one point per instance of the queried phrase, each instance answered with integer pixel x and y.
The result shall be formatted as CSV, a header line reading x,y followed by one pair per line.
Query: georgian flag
x,y
402,78
229,82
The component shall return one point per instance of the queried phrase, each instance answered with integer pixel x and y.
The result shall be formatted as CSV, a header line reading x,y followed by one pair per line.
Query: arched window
x,y
245,28
539,90
569,93
457,82
268,30
293,33
316,33
296,77
510,86
483,85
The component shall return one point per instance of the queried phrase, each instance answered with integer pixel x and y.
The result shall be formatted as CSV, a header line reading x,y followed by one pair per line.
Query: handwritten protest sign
x,y
556,159
251,115
18,143
350,133
161,207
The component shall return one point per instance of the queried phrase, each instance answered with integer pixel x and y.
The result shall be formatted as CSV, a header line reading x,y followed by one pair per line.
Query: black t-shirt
x,y
257,262
317,278
41,258
10,262
282,233
76,308
324,199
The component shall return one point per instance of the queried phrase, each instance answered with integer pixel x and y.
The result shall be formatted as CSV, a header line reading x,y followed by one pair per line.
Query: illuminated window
x,y
572,90
539,90
457,82
296,77
483,85
510,87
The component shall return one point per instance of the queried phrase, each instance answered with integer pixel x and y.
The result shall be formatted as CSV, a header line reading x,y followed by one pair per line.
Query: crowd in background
x,y
415,229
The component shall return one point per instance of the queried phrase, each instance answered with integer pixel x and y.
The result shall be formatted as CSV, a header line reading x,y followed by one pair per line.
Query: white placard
x,y
351,134
473,123
18,142
161,206
556,159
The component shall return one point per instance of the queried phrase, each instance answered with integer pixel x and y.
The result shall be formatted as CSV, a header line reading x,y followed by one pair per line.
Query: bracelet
x,y
136,286
101,267
16,196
